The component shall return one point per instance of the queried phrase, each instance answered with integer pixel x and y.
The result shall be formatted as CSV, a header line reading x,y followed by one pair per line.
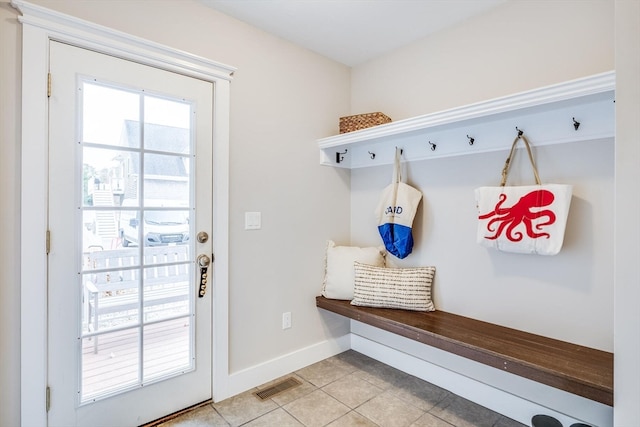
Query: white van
x,y
158,227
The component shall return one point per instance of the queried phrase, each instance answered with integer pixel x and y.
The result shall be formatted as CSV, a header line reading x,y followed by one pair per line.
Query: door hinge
x,y
48,241
48,398
49,85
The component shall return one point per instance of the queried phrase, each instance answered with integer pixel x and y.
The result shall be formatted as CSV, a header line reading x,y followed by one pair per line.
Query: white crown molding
x,y
67,28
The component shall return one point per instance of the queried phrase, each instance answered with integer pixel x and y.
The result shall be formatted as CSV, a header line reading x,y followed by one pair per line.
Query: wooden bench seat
x,y
580,370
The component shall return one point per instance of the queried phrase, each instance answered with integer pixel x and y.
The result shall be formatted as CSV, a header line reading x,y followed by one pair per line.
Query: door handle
x,y
203,262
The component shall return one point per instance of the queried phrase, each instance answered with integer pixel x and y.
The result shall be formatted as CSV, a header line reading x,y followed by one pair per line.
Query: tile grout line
x,y
406,388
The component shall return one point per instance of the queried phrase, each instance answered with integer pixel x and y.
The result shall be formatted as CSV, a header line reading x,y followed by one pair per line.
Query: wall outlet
x,y
286,320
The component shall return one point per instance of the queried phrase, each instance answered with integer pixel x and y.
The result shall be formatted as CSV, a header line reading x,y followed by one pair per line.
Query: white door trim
x,y
40,25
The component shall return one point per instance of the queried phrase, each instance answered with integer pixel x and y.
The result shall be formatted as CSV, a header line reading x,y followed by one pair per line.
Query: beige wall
x,y
282,99
627,208
518,46
9,217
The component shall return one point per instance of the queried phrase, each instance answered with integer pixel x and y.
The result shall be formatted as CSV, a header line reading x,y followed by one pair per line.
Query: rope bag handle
x,y
397,170
507,163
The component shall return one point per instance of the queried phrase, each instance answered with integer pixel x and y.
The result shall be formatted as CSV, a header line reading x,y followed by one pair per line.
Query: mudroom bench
x,y
583,371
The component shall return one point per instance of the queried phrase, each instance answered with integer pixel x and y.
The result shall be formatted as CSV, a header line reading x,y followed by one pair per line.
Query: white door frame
x,y
40,25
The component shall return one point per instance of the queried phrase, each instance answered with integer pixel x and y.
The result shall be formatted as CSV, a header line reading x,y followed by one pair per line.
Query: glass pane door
x,y
130,180
136,257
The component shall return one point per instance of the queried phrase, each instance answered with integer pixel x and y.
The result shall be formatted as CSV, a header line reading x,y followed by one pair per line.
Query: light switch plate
x,y
252,221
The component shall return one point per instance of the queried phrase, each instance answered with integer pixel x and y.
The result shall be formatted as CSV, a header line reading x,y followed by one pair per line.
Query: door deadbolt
x,y
202,237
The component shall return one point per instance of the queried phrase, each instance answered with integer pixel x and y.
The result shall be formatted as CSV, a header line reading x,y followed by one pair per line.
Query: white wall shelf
x,y
546,115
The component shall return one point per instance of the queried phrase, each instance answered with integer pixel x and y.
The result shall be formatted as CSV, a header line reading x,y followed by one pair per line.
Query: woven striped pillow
x,y
403,288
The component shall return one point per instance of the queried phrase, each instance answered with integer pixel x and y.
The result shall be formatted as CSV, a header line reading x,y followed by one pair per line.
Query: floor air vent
x,y
277,388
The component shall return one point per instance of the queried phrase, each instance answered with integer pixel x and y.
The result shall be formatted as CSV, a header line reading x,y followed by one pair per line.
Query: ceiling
x,y
352,31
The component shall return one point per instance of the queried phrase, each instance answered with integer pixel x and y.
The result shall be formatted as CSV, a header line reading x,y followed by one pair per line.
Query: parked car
x,y
158,227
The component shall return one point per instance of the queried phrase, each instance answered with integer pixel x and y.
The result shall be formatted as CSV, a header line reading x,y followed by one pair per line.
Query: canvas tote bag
x,y
395,212
523,219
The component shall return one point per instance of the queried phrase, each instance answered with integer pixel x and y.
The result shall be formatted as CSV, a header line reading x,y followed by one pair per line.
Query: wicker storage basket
x,y
362,121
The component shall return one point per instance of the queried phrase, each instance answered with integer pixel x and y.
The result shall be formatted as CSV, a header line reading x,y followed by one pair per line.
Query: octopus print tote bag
x,y
395,212
528,219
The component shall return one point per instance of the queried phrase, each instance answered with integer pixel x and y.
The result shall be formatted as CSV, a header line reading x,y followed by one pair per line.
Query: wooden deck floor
x,y
114,363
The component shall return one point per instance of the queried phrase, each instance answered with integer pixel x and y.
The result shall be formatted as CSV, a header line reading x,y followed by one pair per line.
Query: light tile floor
x,y
346,390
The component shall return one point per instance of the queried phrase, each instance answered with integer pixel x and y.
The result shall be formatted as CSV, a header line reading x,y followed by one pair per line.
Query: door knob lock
x,y
203,261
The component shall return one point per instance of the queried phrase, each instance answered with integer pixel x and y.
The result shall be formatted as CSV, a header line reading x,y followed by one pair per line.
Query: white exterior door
x,y
129,288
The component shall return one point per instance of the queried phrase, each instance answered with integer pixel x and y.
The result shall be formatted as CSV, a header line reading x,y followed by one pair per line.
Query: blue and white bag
x,y
395,212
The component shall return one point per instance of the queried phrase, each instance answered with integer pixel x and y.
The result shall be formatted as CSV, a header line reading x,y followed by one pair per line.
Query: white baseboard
x,y
246,379
500,401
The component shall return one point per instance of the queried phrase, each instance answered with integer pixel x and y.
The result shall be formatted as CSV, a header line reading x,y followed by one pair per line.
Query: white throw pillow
x,y
339,275
403,288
